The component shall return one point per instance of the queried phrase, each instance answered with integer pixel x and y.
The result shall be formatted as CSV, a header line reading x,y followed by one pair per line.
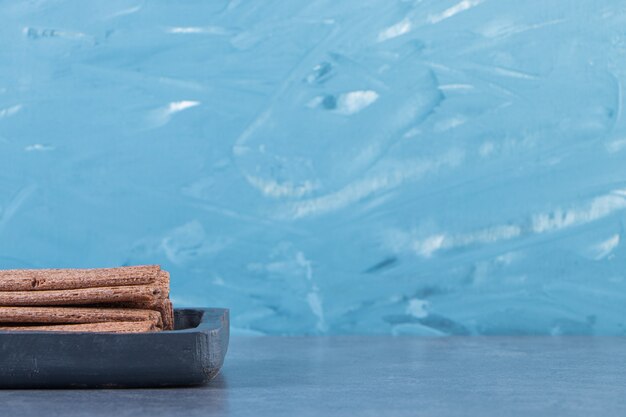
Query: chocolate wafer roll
x,y
163,306
76,315
163,281
166,309
111,327
60,298
67,279
146,294
161,303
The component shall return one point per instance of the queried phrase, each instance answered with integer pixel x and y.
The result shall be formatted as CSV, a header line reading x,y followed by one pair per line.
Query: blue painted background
x,y
423,167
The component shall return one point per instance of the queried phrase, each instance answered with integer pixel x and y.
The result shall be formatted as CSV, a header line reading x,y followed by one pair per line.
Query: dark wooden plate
x,y
191,354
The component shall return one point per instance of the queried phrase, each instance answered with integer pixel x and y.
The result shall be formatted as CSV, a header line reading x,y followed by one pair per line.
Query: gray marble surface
x,y
375,376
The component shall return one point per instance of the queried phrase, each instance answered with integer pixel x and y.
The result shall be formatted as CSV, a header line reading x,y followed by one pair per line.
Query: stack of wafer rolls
x,y
130,299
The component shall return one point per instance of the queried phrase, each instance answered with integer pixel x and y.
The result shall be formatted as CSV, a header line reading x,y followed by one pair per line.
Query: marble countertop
x,y
375,376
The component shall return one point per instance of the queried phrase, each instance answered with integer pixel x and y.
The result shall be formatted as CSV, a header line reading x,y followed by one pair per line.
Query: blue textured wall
x,y
424,167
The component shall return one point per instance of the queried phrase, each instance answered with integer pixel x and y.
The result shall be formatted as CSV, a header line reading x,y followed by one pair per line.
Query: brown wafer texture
x,y
67,279
163,306
110,327
75,297
148,294
160,302
77,315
